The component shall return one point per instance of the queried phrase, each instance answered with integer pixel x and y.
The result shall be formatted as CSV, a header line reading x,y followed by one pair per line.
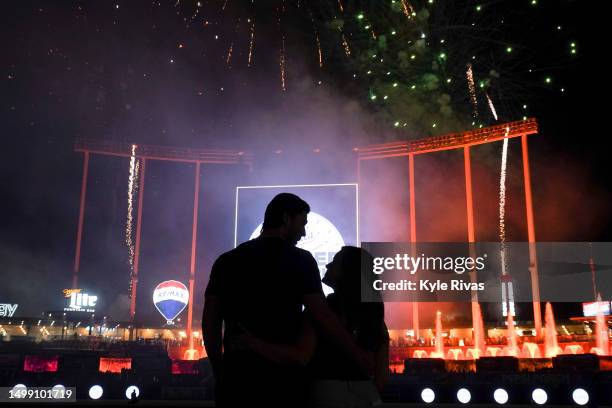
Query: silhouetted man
x,y
260,287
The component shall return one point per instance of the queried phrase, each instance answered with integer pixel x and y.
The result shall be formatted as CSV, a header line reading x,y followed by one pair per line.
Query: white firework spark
x,y
407,8
229,54
502,201
320,52
347,49
472,89
251,44
491,106
282,65
132,189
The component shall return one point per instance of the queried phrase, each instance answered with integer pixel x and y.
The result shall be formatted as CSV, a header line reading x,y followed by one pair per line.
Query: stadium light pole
x,y
194,237
533,259
77,256
415,304
471,232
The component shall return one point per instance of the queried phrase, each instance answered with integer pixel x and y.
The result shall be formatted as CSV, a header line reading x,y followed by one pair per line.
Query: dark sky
x,y
155,73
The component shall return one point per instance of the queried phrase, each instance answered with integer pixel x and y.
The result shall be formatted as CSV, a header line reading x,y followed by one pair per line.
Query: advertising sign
x,y
170,298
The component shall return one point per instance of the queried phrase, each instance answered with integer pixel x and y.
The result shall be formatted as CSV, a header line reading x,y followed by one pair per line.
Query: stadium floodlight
x,y
428,395
132,392
580,396
539,396
464,395
95,392
500,396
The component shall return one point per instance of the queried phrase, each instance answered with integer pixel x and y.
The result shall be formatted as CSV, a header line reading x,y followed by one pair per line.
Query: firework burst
x,y
418,48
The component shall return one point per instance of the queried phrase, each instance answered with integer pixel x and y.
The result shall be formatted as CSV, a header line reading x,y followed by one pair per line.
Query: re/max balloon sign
x,y
170,298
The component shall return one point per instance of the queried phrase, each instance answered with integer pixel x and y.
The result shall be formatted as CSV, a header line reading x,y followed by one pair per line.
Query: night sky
x,y
185,73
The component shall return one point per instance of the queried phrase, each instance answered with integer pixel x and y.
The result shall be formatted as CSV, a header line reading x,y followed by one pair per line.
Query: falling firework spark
x,y
502,192
229,54
491,106
251,44
347,49
317,38
281,60
320,52
472,89
228,58
132,189
282,65
502,201
502,219
340,6
408,10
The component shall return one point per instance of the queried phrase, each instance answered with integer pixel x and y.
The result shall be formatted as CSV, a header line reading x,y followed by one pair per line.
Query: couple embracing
x,y
274,339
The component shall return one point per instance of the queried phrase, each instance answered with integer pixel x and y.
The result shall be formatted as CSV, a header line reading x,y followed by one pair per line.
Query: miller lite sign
x,y
80,301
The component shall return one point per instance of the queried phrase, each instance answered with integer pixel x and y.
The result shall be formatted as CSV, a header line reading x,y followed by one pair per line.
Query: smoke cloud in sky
x,y
89,78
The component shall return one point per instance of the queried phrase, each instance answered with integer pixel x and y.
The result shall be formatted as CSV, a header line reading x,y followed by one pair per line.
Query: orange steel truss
x,y
465,140
176,154
448,142
411,148
144,153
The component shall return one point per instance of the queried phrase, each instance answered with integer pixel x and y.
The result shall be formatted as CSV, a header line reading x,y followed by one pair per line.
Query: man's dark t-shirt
x,y
261,285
